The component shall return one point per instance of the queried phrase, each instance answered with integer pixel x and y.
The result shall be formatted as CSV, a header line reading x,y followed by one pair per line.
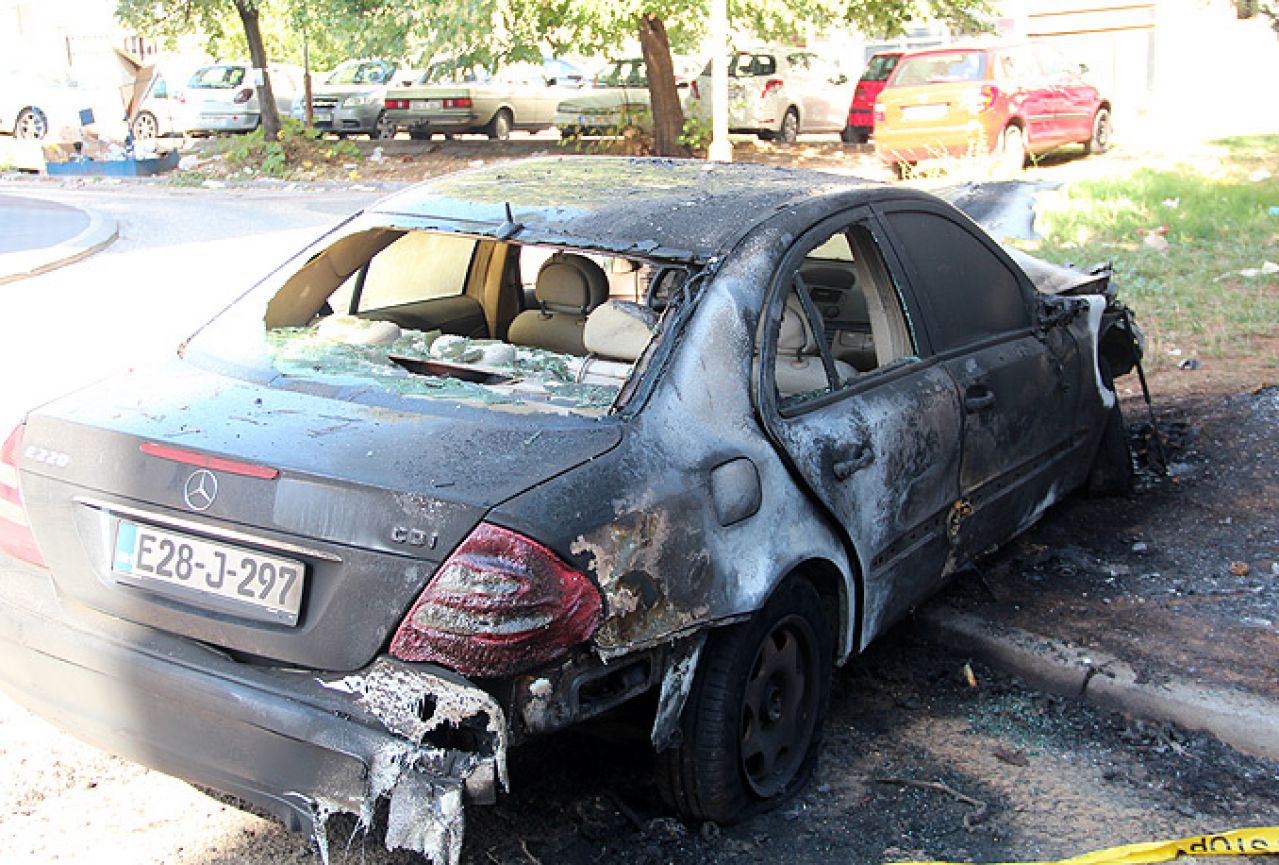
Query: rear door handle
x,y
978,398
863,456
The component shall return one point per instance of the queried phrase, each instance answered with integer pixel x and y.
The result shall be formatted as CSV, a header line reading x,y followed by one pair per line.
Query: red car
x,y
1012,101
861,114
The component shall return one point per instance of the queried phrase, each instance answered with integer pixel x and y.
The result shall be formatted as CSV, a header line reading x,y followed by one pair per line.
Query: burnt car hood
x,y
372,499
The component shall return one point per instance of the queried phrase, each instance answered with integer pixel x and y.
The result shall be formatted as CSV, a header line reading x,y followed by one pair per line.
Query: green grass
x,y
1217,213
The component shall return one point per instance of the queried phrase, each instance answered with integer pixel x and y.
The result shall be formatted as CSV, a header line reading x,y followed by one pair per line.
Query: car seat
x,y
568,287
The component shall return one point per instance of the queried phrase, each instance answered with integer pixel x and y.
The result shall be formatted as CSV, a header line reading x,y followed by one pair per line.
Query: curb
x,y
101,231
1247,723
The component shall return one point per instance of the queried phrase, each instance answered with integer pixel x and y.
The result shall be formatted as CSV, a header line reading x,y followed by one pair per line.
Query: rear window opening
x,y
429,315
943,68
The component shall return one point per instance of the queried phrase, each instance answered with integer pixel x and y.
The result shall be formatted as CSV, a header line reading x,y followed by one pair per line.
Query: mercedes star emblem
x,y
200,490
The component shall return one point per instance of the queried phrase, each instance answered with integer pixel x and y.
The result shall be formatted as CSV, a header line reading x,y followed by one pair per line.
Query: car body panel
x,y
211,95
765,83
520,90
976,93
350,100
861,113
683,504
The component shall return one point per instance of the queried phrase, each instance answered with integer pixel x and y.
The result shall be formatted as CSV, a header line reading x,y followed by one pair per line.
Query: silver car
x,y
350,101
223,97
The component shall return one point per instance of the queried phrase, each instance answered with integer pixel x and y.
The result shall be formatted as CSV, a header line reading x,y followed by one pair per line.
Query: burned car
x,y
519,446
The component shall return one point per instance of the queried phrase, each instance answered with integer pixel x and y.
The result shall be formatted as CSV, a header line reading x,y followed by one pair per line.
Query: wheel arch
x,y
841,591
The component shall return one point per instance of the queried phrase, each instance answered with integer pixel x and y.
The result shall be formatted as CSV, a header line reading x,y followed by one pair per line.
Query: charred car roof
x,y
676,209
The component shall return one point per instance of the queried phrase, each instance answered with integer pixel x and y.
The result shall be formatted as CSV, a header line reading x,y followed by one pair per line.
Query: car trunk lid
x,y
362,502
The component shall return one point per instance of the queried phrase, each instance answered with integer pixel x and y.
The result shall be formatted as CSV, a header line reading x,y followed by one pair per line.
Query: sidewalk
x,y
37,235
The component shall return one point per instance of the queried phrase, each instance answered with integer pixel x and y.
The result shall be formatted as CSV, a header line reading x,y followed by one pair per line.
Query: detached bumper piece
x,y
300,746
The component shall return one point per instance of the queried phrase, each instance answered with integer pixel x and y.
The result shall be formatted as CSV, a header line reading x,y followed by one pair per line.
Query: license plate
x,y
428,104
218,576
924,112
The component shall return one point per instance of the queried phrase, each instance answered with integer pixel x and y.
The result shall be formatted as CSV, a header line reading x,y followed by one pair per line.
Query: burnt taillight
x,y
501,604
16,538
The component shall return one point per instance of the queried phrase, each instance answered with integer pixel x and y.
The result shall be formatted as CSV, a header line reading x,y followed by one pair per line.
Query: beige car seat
x,y
799,361
568,287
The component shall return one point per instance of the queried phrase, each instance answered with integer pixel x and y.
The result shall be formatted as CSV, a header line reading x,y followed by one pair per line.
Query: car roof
x,y
688,210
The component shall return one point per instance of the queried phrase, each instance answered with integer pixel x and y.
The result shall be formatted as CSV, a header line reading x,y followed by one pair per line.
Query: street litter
x,y
1190,363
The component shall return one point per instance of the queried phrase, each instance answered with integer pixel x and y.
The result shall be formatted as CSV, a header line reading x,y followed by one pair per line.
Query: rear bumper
x,y
297,744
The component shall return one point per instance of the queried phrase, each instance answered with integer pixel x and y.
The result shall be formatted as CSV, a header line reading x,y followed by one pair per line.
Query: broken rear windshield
x,y
423,315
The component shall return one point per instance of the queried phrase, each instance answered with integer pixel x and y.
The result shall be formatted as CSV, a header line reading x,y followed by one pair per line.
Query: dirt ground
x,y
918,762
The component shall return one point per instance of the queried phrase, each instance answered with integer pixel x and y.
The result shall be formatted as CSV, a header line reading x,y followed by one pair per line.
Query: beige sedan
x,y
451,99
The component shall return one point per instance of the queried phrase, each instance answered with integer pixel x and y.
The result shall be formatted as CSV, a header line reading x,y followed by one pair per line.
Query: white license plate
x,y
218,576
427,104
924,112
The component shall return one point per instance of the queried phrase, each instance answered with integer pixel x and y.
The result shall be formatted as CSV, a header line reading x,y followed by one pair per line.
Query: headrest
x,y
795,336
619,330
571,283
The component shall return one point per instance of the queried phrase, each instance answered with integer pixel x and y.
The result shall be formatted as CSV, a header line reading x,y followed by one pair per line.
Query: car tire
x,y
1102,130
789,130
752,725
851,135
1012,148
30,124
382,128
145,127
499,128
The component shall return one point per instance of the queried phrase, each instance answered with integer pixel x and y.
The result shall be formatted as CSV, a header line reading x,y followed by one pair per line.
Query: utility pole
x,y
721,149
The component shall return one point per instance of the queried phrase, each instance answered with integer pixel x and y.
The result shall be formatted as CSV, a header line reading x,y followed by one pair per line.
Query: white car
x,y
35,106
222,97
778,93
618,98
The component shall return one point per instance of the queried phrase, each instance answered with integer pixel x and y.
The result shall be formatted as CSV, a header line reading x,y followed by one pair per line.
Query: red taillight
x,y
208,461
692,90
396,103
500,604
458,102
15,532
244,95
983,99
773,85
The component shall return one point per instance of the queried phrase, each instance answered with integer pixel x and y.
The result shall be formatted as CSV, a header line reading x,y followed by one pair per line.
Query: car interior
x,y
843,298
478,311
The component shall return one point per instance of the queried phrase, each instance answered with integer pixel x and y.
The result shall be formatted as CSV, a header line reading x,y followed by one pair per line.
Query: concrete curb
x,y
1247,723
101,231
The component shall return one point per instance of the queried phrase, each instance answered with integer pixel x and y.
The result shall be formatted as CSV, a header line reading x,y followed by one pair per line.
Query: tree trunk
x,y
668,116
248,10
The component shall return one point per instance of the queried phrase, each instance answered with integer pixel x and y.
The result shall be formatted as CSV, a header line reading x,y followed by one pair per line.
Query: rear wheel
x,y
1099,141
145,127
499,128
752,725
1012,149
790,127
30,124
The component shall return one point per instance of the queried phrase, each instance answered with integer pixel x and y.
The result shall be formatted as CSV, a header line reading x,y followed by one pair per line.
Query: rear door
x,y
876,436
1016,381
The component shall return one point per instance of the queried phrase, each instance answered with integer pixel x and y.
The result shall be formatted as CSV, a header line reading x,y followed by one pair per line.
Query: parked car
x,y
162,109
222,97
45,106
618,98
380,521
861,113
778,94
453,98
1013,101
352,98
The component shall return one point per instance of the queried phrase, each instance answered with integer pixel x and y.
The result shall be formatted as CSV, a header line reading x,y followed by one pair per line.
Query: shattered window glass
x,y
412,314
